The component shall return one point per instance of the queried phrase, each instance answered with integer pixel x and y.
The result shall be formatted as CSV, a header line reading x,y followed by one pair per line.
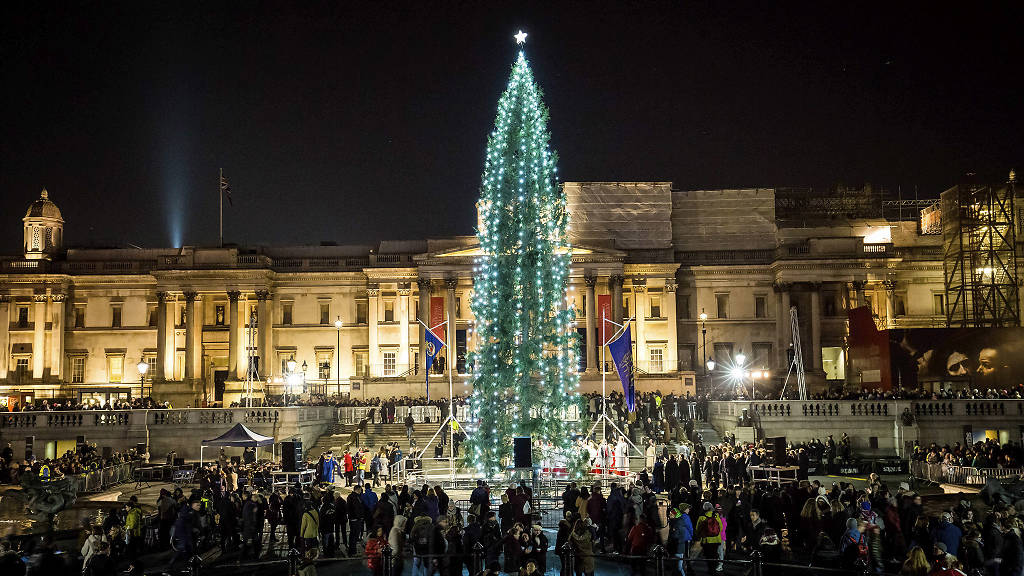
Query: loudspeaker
x,y
291,455
522,451
108,452
79,444
776,446
29,442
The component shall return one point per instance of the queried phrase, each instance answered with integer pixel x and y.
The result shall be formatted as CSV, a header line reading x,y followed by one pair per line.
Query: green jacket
x,y
702,523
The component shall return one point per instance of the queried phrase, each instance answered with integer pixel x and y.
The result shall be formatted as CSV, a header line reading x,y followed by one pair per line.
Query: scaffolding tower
x,y
980,258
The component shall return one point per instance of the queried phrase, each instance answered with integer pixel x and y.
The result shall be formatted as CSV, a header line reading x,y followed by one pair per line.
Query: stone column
x,y
423,289
373,296
5,336
451,354
640,304
160,371
858,288
615,285
782,323
815,326
39,336
234,334
591,312
890,307
191,360
668,302
57,336
264,328
403,325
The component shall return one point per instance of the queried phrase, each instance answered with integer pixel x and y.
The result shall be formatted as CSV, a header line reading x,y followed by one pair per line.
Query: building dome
x,y
44,228
44,208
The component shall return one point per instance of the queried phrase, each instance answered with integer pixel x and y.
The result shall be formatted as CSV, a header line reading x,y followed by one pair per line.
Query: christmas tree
x,y
525,363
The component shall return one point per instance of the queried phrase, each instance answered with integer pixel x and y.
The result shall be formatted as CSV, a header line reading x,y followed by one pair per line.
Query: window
x,y
77,369
762,352
655,307
79,316
359,364
869,301
389,310
325,313
115,368
362,309
182,316
723,352
151,315
683,305
323,364
687,352
833,362
458,307
760,307
389,363
21,364
899,303
22,316
151,362
939,304
722,302
626,310
219,315
286,313
115,318
657,361
828,299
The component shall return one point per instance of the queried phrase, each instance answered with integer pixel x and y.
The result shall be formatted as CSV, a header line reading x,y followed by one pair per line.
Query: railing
x,y
921,409
964,475
98,480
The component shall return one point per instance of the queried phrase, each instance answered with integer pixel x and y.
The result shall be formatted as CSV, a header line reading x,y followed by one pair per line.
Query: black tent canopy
x,y
237,437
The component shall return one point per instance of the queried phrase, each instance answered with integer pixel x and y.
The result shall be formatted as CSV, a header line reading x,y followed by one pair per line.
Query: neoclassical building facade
x,y
700,274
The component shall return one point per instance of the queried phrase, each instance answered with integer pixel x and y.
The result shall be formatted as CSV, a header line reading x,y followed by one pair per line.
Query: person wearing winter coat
x,y
680,533
100,563
947,533
396,539
309,529
92,544
252,525
420,537
583,548
710,530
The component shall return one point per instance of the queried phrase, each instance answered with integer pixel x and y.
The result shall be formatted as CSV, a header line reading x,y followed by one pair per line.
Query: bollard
x,y
659,559
755,557
569,558
478,558
293,562
195,565
386,558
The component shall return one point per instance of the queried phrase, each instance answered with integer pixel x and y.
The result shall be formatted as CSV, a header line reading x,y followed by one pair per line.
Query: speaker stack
x,y
291,455
776,450
522,451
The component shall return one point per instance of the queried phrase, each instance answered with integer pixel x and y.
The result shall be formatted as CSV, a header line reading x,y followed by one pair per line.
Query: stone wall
x,y
162,430
876,427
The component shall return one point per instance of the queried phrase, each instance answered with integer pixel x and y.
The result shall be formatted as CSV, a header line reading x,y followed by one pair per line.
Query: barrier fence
x,y
965,475
99,480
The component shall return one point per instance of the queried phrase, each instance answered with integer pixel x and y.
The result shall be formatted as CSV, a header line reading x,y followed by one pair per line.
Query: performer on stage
x,y
605,456
329,464
592,453
621,457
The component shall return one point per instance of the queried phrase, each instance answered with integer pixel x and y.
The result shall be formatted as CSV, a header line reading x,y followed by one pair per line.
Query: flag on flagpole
x,y
621,350
225,189
432,348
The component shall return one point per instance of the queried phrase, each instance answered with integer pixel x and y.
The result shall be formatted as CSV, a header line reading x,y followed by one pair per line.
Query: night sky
x,y
350,122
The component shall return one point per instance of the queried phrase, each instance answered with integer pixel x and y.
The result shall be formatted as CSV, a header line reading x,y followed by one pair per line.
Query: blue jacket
x,y
370,500
949,535
682,529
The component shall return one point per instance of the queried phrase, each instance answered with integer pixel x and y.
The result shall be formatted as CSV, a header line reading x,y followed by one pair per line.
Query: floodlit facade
x,y
80,321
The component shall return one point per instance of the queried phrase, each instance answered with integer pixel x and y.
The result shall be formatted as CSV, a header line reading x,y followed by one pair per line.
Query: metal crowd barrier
x,y
964,475
98,480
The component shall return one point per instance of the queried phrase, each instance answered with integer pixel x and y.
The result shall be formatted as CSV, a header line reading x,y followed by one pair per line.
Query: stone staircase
x,y
338,436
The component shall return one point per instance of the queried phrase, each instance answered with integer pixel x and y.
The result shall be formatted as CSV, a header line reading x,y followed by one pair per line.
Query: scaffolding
x,y
980,259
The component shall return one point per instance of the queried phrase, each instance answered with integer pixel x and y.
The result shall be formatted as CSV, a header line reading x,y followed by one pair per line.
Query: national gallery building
x,y
704,275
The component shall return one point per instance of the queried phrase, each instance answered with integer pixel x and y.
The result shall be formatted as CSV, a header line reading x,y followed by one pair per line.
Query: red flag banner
x,y
437,316
604,311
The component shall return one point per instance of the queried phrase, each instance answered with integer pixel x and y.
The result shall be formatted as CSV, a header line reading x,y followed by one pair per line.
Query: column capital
x,y
234,295
670,285
263,295
782,286
404,291
162,296
190,295
423,282
4,298
814,286
40,298
373,290
451,282
890,285
616,280
57,297
591,280
859,285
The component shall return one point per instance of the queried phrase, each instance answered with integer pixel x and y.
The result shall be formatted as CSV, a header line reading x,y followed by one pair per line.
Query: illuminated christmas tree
x,y
525,363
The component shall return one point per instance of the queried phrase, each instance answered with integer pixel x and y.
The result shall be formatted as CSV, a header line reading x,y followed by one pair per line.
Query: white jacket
x,y
91,546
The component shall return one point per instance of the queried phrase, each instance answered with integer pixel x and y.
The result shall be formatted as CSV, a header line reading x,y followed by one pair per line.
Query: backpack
x,y
712,527
373,554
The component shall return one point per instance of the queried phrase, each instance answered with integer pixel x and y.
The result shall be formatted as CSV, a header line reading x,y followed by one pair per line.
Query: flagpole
x,y
604,393
451,408
220,187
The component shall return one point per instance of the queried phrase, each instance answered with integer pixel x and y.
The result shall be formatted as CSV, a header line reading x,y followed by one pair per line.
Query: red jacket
x,y
640,539
348,462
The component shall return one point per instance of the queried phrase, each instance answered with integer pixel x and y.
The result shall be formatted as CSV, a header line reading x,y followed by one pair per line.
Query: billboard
x,y
959,358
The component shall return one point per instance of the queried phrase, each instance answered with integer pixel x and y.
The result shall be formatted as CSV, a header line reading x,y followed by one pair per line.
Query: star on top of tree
x,y
520,37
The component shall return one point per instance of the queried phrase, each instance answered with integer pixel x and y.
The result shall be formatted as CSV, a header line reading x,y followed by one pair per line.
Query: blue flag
x,y
621,350
432,348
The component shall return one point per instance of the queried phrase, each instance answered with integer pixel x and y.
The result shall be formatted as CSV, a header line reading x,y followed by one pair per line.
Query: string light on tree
x,y
524,378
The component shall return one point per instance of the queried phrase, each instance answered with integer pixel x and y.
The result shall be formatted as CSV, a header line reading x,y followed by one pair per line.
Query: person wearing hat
x,y
680,533
947,533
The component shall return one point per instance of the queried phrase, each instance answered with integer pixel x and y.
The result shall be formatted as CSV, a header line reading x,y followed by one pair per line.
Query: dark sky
x,y
353,122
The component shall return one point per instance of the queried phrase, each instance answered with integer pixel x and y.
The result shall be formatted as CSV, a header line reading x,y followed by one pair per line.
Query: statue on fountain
x,y
45,496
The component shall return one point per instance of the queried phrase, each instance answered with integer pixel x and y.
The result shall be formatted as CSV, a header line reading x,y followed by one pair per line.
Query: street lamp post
x,y
289,379
704,347
337,353
304,367
143,367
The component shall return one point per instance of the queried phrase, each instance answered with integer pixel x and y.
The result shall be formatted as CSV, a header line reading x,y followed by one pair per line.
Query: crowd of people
x,y
85,459
47,405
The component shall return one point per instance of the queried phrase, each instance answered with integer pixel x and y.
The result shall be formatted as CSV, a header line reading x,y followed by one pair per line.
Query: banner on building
x,y
437,316
604,312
